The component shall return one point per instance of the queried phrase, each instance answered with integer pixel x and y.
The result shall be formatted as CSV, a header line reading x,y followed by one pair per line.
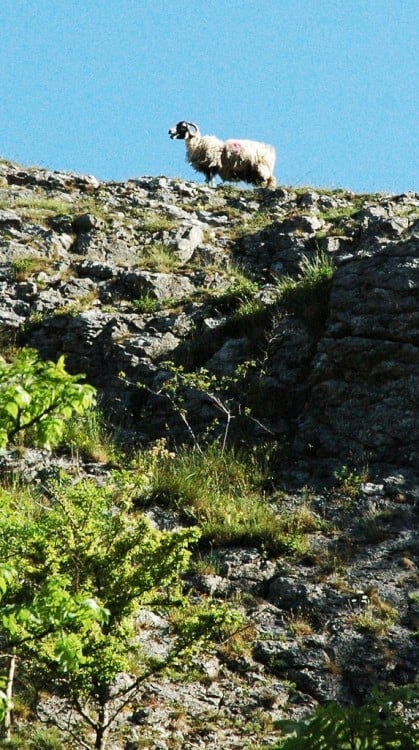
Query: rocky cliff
x,y
94,252
123,277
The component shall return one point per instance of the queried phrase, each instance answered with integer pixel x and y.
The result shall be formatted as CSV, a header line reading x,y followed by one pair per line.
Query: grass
x,y
146,304
90,437
251,318
24,267
39,738
299,626
239,292
70,309
341,212
223,492
160,258
252,224
307,296
246,314
38,206
154,223
377,618
313,272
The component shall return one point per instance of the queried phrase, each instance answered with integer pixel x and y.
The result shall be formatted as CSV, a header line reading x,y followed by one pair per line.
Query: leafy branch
x,y
37,399
226,393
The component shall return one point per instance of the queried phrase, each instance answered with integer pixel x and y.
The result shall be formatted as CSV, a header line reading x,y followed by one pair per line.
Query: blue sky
x,y
92,86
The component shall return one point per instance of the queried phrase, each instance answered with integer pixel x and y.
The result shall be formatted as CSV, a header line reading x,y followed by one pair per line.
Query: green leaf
x,y
8,575
21,397
11,408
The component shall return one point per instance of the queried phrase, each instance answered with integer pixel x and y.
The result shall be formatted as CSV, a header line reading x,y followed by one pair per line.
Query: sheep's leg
x,y
210,179
265,177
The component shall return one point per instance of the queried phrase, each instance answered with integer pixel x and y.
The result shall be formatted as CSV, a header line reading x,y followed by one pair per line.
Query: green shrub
x,y
349,483
146,304
384,723
81,564
225,394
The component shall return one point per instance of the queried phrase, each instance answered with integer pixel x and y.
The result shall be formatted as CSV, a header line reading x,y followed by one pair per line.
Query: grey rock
x,y
187,240
231,354
10,219
161,286
337,246
372,214
78,288
308,224
26,290
309,199
61,223
10,320
368,357
412,616
52,180
289,661
87,222
96,270
155,347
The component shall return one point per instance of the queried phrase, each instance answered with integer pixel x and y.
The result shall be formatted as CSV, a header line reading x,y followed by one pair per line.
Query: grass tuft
x,y
221,490
90,437
307,296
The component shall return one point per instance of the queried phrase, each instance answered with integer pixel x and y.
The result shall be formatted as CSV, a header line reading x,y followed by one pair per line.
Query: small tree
x,y
97,554
37,398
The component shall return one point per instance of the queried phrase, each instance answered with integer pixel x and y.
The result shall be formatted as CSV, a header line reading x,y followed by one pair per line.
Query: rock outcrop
x,y
80,259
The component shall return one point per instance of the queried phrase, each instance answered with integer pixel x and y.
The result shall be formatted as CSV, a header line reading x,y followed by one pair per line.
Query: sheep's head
x,y
184,130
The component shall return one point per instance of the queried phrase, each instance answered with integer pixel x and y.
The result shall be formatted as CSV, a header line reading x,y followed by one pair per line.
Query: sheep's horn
x,y
192,125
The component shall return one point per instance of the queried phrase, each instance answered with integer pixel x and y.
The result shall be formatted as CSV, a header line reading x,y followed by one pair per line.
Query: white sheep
x,y
232,160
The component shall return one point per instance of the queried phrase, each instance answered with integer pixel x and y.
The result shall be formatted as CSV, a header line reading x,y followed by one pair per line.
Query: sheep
x,y
232,160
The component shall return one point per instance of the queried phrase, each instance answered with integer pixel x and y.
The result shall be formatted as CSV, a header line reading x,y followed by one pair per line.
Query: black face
x,y
180,130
